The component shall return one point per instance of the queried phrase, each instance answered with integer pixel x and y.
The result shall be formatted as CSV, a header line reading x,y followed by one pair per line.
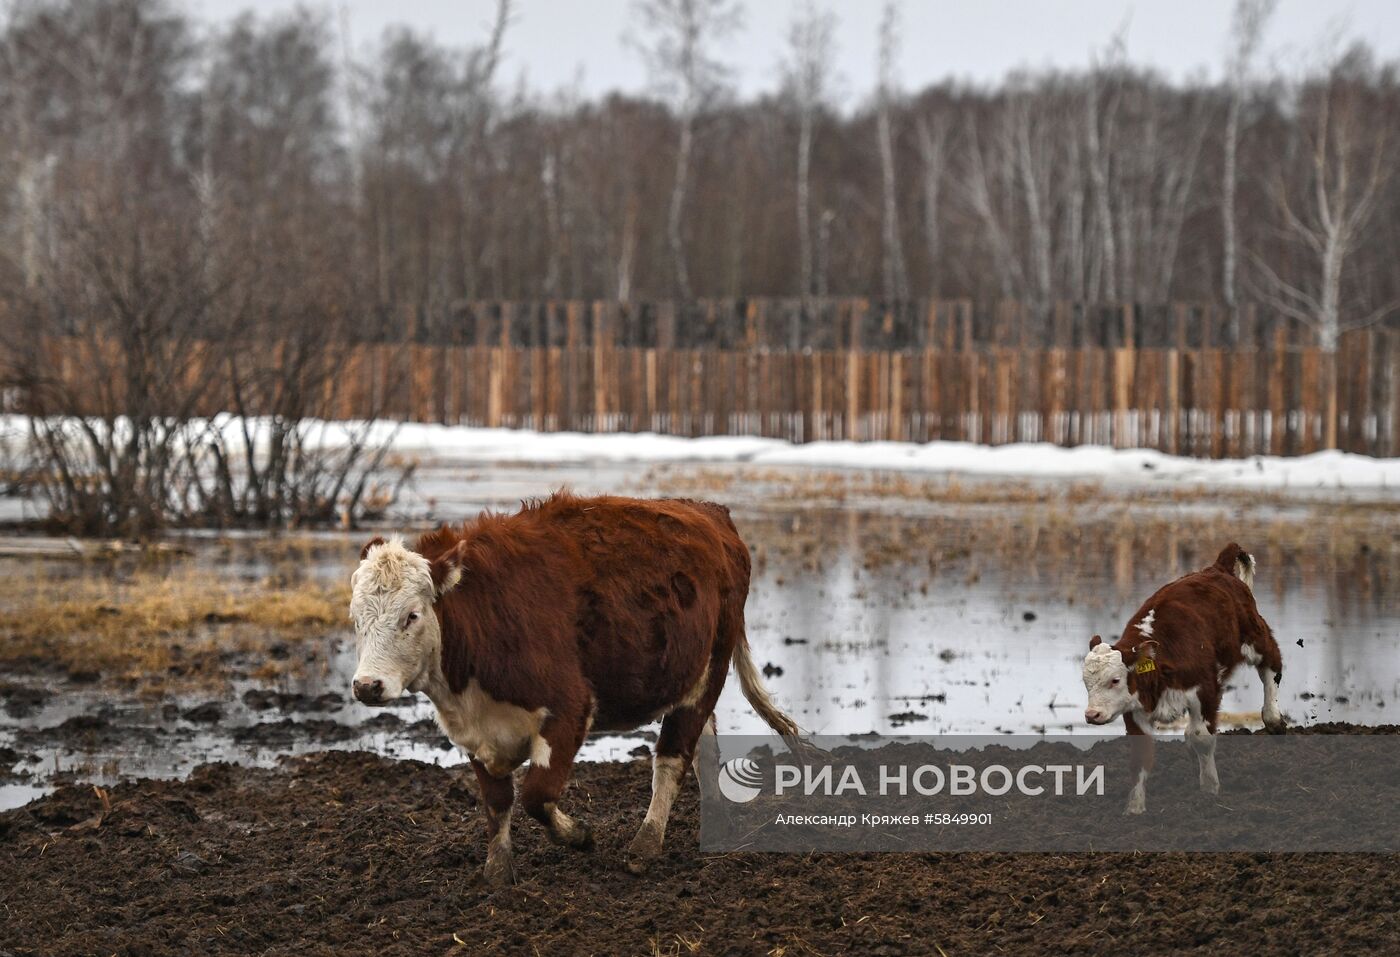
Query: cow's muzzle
x,y
368,690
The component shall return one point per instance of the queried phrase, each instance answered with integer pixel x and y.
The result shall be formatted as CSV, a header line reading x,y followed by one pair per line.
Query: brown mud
x,y
339,853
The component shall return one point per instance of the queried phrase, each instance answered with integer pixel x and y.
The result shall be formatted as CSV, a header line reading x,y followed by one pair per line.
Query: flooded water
x,y
867,613
994,643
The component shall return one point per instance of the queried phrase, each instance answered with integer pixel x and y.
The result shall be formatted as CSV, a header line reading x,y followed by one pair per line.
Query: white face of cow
x,y
396,632
1106,681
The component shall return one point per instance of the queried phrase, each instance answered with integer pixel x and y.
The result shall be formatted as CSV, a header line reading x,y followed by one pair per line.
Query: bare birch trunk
x,y
896,277
804,201
1227,210
676,215
932,144
1250,18
1098,176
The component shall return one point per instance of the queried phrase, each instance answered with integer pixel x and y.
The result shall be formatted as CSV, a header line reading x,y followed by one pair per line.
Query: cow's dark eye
x,y
412,617
1115,681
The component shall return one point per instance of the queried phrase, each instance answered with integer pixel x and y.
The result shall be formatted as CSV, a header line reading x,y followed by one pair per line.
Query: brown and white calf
x,y
1174,657
528,630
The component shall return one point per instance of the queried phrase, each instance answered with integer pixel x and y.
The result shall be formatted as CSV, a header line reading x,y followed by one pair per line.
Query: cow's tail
x,y
1234,560
762,702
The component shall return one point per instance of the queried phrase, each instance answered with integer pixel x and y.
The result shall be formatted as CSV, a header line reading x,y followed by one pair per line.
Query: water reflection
x,y
948,620
936,625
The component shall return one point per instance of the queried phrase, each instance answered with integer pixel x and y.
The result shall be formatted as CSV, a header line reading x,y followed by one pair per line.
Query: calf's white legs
x,y
1202,742
1137,797
1143,752
1273,718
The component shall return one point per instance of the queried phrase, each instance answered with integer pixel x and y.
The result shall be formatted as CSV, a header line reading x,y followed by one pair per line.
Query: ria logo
x,y
740,780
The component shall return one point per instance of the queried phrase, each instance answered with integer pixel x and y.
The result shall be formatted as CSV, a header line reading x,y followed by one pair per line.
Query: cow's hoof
x,y
644,849
579,837
1275,727
1210,787
499,870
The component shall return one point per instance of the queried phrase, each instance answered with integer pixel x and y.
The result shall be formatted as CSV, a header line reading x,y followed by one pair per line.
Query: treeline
x,y
305,178
171,188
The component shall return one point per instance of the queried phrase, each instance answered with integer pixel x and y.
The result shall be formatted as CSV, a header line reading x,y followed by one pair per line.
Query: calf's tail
x,y
757,695
1234,560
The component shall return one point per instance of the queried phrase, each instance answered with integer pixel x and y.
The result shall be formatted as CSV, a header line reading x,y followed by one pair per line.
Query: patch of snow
x,y
467,445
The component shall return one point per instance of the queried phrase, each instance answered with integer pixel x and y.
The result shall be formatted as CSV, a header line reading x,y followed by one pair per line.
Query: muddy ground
x,y
341,853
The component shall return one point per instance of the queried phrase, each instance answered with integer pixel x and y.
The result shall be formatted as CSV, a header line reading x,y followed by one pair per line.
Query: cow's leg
x,y
497,796
675,749
1200,734
681,730
1143,759
550,764
706,732
1270,670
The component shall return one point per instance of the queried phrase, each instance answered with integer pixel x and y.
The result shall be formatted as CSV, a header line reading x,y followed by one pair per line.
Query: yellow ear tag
x,y
1145,665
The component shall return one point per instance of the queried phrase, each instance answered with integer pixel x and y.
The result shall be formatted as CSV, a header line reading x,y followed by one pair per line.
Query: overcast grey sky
x,y
578,44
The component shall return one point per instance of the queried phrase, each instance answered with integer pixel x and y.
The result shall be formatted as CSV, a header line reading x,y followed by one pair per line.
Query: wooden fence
x,y
575,367
1205,402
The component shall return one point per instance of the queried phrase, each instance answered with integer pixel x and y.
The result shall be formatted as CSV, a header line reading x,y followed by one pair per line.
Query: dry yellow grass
x,y
150,628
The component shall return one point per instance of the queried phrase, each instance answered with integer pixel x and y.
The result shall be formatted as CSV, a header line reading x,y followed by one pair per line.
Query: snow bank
x,y
1325,470
450,445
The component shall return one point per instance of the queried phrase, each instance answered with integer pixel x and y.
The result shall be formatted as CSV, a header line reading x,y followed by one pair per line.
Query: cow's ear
x,y
1147,649
1094,642
376,540
446,570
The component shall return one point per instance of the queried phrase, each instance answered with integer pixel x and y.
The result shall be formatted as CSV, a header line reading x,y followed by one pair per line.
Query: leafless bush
x,y
174,323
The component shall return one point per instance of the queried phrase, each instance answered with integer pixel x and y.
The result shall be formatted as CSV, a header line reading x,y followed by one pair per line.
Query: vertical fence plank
x,y
1393,405
1122,393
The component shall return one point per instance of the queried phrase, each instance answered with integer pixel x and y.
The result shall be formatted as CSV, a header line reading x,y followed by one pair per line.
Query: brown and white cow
x,y
1174,657
528,630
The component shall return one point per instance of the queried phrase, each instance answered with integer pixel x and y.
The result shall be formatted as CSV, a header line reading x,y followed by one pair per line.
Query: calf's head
x,y
1107,678
397,632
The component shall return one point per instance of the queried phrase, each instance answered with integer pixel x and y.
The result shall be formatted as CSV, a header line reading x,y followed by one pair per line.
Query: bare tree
x,y
32,172
824,252
986,197
133,298
627,253
896,277
933,154
426,161
1033,149
268,129
811,46
1250,19
1327,206
1073,228
1345,153
111,277
556,190
677,49
185,314
1100,114
478,109
1154,196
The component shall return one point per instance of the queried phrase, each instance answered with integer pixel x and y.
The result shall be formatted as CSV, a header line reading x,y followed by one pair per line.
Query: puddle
x,y
867,616
86,734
